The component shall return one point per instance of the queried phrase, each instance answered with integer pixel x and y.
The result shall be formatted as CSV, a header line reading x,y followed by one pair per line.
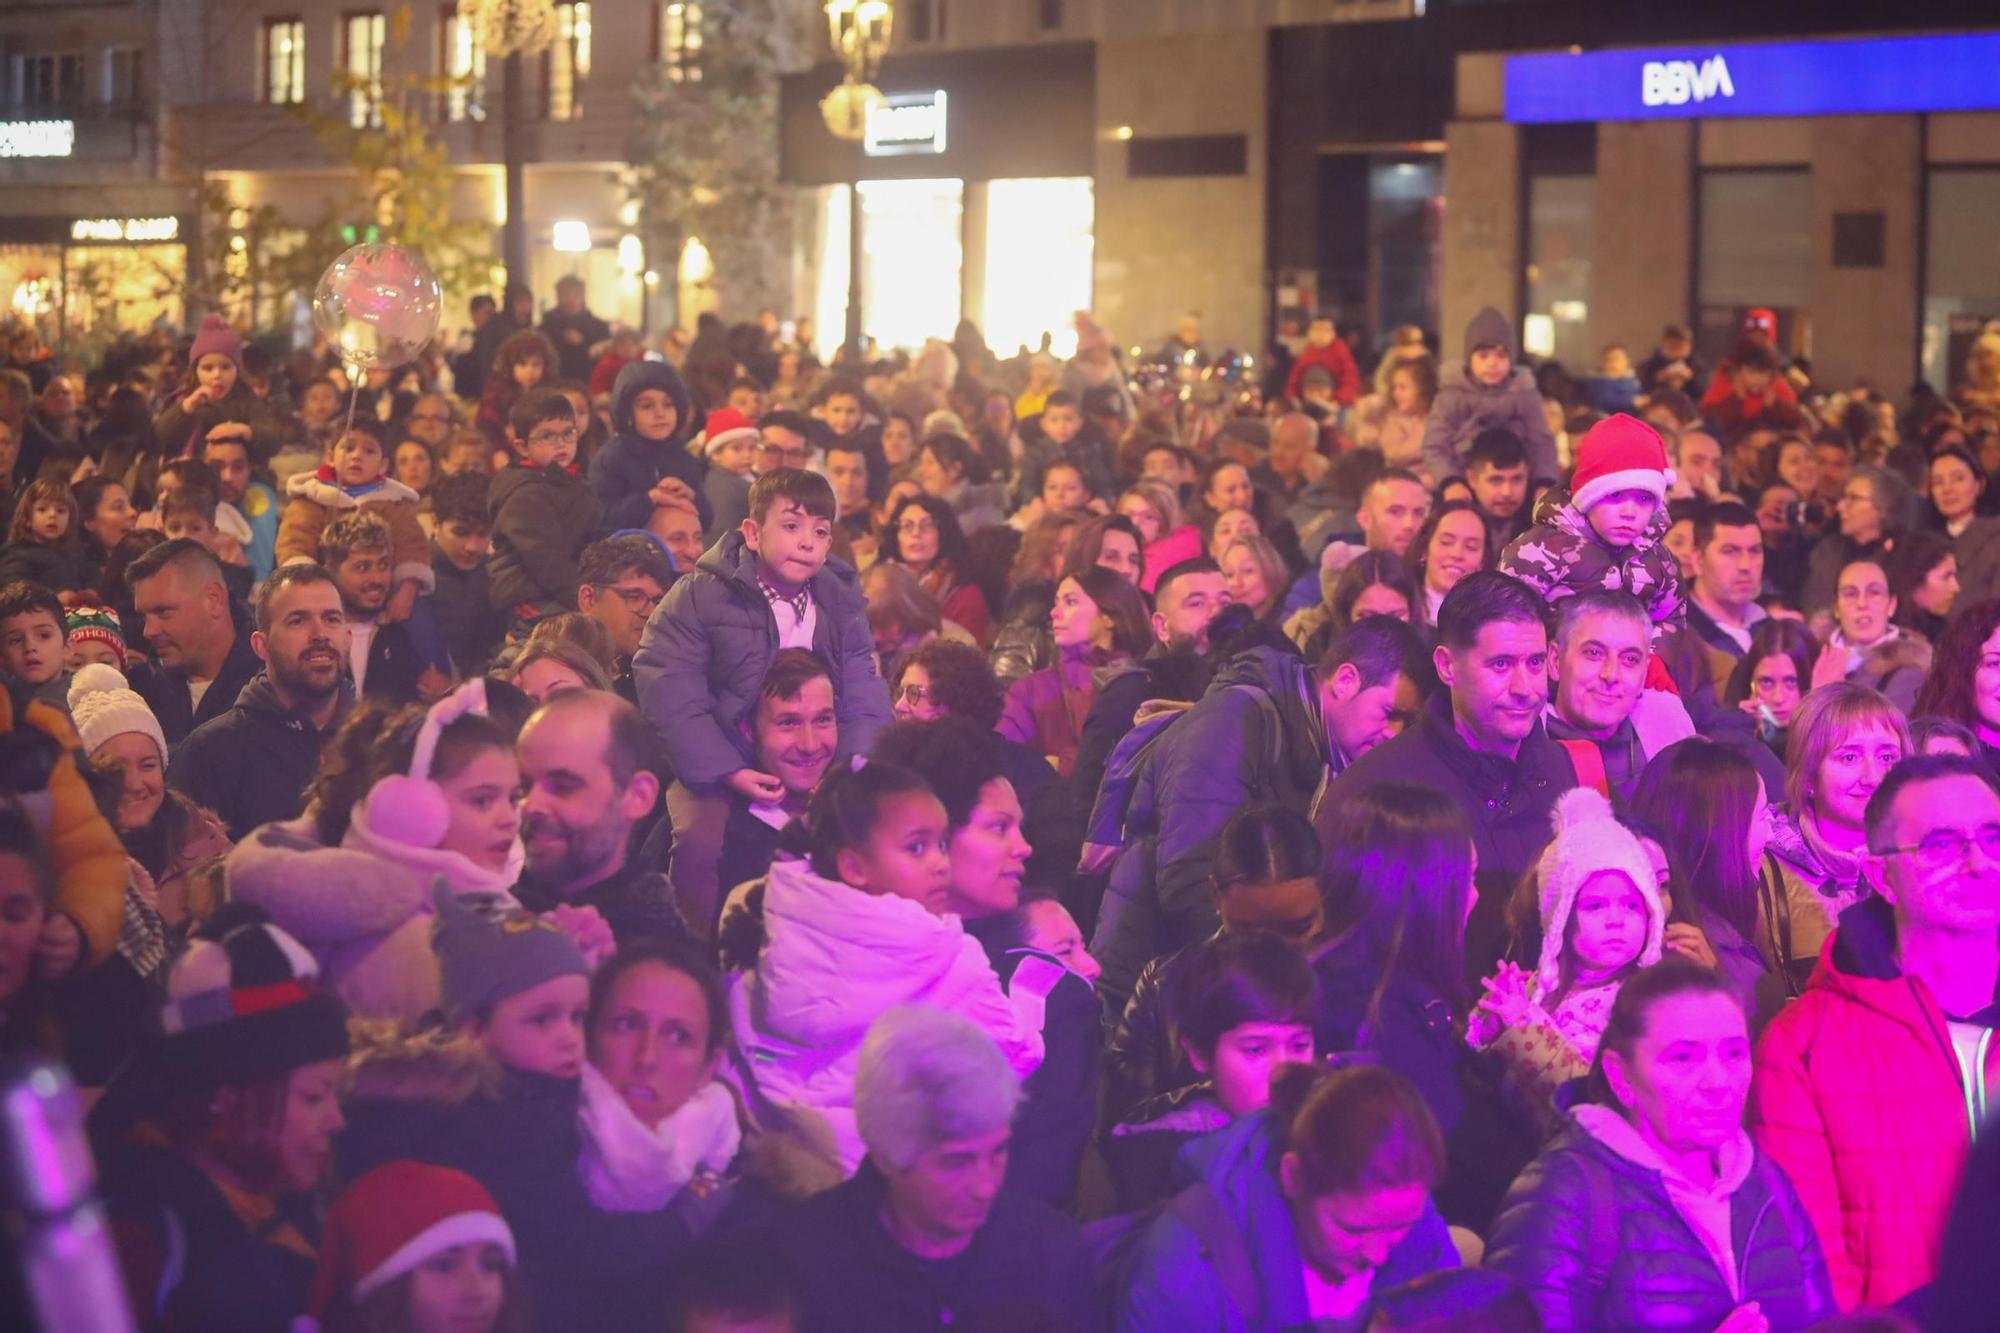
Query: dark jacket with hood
x,y
165,689
251,765
1256,735
1508,802
629,466
543,517
708,647
1591,1230
1464,406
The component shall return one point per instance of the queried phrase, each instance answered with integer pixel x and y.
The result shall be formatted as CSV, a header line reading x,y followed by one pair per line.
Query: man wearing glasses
x,y
1870,1087
624,579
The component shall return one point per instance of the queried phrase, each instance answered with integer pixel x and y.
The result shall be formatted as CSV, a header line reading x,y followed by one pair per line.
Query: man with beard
x,y
586,771
251,764
721,838
357,550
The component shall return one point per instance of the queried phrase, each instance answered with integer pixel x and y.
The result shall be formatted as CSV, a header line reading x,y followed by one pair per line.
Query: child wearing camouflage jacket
x,y
1610,532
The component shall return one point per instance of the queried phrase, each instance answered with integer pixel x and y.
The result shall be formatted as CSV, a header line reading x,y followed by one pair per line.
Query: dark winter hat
x,y
243,1008
1489,328
639,376
483,960
215,335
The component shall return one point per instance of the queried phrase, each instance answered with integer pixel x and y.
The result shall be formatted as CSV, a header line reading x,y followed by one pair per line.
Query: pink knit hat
x,y
215,336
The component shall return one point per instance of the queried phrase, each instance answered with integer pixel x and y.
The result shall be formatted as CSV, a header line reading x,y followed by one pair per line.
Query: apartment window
x,y
361,39
284,59
680,40
923,20
48,81
1050,14
566,67
122,72
462,60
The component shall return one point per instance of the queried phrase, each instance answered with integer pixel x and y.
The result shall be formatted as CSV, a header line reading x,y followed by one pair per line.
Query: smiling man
x,y
357,550
1602,712
587,780
795,731
1481,741
251,764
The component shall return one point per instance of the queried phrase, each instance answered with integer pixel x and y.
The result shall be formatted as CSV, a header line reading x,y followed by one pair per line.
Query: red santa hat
x,y
725,425
1619,453
393,1220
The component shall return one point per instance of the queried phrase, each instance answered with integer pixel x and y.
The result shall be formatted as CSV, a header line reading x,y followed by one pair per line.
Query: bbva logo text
x,y
1678,82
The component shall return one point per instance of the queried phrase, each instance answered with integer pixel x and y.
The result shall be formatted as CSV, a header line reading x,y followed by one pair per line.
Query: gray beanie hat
x,y
483,960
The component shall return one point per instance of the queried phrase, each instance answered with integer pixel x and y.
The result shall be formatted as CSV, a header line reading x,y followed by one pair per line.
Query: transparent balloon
x,y
378,305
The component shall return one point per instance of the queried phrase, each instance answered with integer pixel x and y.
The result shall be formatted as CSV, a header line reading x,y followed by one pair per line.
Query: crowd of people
x,y
574,835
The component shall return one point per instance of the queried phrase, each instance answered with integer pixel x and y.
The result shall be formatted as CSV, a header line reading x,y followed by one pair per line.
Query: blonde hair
x,y
1269,563
1160,499
1826,718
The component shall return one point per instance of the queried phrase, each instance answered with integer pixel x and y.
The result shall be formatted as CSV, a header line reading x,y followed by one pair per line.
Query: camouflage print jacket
x,y
1562,555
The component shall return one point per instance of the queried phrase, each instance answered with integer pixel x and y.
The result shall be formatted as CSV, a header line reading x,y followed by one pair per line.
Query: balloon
x,y
378,305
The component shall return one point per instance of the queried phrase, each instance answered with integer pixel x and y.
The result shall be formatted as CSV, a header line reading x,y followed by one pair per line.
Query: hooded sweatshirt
x,y
1704,1207
1465,406
629,465
834,960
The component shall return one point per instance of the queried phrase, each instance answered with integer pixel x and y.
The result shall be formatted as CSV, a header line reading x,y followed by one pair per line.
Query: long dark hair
x,y
951,537
1947,690
1371,569
1396,877
1700,796
1131,625
1775,637
690,960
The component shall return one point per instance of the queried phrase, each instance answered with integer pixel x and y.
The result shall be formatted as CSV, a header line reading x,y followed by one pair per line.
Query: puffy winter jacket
x,y
706,650
543,517
1563,556
317,500
1255,735
1464,407
1858,1096
1593,1232
1174,1283
834,960
628,467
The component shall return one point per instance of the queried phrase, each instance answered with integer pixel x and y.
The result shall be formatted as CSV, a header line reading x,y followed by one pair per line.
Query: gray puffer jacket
x,y
708,646
1593,1233
1464,407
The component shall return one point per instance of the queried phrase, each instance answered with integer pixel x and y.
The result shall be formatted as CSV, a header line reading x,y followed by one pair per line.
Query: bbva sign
x,y
1679,82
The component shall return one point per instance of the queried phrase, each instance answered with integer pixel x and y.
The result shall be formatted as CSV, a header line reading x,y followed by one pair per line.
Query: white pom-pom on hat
x,y
102,705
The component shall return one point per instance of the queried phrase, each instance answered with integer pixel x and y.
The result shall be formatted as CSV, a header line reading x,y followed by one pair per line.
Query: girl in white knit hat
x,y
1602,919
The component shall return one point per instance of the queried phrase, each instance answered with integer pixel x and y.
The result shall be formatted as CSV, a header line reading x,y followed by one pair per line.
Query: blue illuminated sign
x,y
1879,75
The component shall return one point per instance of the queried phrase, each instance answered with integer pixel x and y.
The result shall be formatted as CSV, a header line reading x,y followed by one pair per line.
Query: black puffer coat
x,y
1598,1244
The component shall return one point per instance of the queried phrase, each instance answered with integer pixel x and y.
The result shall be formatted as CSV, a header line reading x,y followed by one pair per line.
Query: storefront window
x,y
1038,262
913,257
1405,238
1755,250
1562,212
1961,268
115,287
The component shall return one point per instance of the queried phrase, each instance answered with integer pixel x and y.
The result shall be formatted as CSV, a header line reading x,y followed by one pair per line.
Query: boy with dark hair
x,y
1061,435
1489,389
654,416
767,586
463,540
844,410
543,514
1496,472
31,641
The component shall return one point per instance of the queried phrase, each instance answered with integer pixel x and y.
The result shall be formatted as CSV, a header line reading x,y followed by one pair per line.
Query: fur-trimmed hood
x,y
311,486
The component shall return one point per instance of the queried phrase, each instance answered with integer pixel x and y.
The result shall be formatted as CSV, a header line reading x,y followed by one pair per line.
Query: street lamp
x,y
859,31
511,29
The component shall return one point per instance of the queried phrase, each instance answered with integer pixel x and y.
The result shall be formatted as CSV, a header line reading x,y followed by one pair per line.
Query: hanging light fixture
x,y
859,31
504,27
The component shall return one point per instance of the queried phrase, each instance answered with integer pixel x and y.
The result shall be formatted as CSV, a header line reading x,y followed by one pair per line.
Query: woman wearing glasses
x,y
923,537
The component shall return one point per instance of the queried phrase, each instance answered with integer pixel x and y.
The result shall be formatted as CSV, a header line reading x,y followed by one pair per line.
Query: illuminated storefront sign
x,y
905,123
125,229
1873,76
37,138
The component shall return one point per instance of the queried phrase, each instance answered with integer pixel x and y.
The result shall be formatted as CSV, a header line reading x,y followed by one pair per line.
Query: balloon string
x,y
353,397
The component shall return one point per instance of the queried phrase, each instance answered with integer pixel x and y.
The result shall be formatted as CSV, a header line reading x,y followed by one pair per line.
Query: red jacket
x,y
1857,1095
1721,401
1337,361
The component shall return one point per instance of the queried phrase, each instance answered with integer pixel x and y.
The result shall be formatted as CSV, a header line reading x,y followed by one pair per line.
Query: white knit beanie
x,y
103,706
1589,839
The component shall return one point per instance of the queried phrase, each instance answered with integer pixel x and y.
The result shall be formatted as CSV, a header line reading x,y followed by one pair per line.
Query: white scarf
x,y
629,1168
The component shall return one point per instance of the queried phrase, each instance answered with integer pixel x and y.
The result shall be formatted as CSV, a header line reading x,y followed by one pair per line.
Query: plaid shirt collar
x,y
798,601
